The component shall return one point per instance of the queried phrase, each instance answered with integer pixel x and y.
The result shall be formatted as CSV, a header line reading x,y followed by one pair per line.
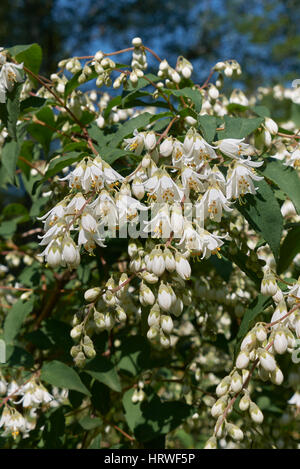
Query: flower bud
x,y
183,267
261,334
277,376
280,342
152,333
76,331
166,323
211,443
164,297
164,340
244,402
223,386
236,382
92,294
242,360
249,341
267,361
150,141
271,126
146,295
255,413
219,407
166,147
234,432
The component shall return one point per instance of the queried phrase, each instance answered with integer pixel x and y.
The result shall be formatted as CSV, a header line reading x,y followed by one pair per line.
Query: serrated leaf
x,y
9,158
103,370
74,83
9,111
29,54
151,418
263,213
239,127
208,126
61,375
15,318
194,95
285,177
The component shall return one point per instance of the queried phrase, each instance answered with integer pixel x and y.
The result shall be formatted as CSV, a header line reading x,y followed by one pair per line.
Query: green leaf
x,y
152,418
89,423
95,444
285,177
15,318
10,154
239,127
103,370
262,212
208,126
30,54
289,248
74,83
194,95
128,127
62,161
32,103
61,375
134,355
43,134
257,307
9,111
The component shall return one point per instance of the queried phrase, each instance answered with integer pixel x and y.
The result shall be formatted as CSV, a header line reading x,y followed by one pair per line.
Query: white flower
x,y
293,159
136,143
138,189
233,147
128,207
51,217
197,150
10,74
162,188
240,180
160,225
192,181
13,422
212,204
177,220
200,240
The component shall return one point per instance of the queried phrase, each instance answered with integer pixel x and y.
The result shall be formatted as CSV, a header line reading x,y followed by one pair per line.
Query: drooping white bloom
x,y
166,323
70,252
233,147
197,150
212,204
136,143
10,74
200,240
12,421
177,220
156,262
150,141
240,179
293,159
242,360
127,206
160,225
51,217
271,126
191,180
162,188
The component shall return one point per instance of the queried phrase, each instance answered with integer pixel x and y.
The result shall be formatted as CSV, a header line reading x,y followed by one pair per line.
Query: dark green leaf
x,y
101,369
61,375
15,318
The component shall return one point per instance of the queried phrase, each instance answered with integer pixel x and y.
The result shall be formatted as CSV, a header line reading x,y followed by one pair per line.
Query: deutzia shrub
x,y
150,256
